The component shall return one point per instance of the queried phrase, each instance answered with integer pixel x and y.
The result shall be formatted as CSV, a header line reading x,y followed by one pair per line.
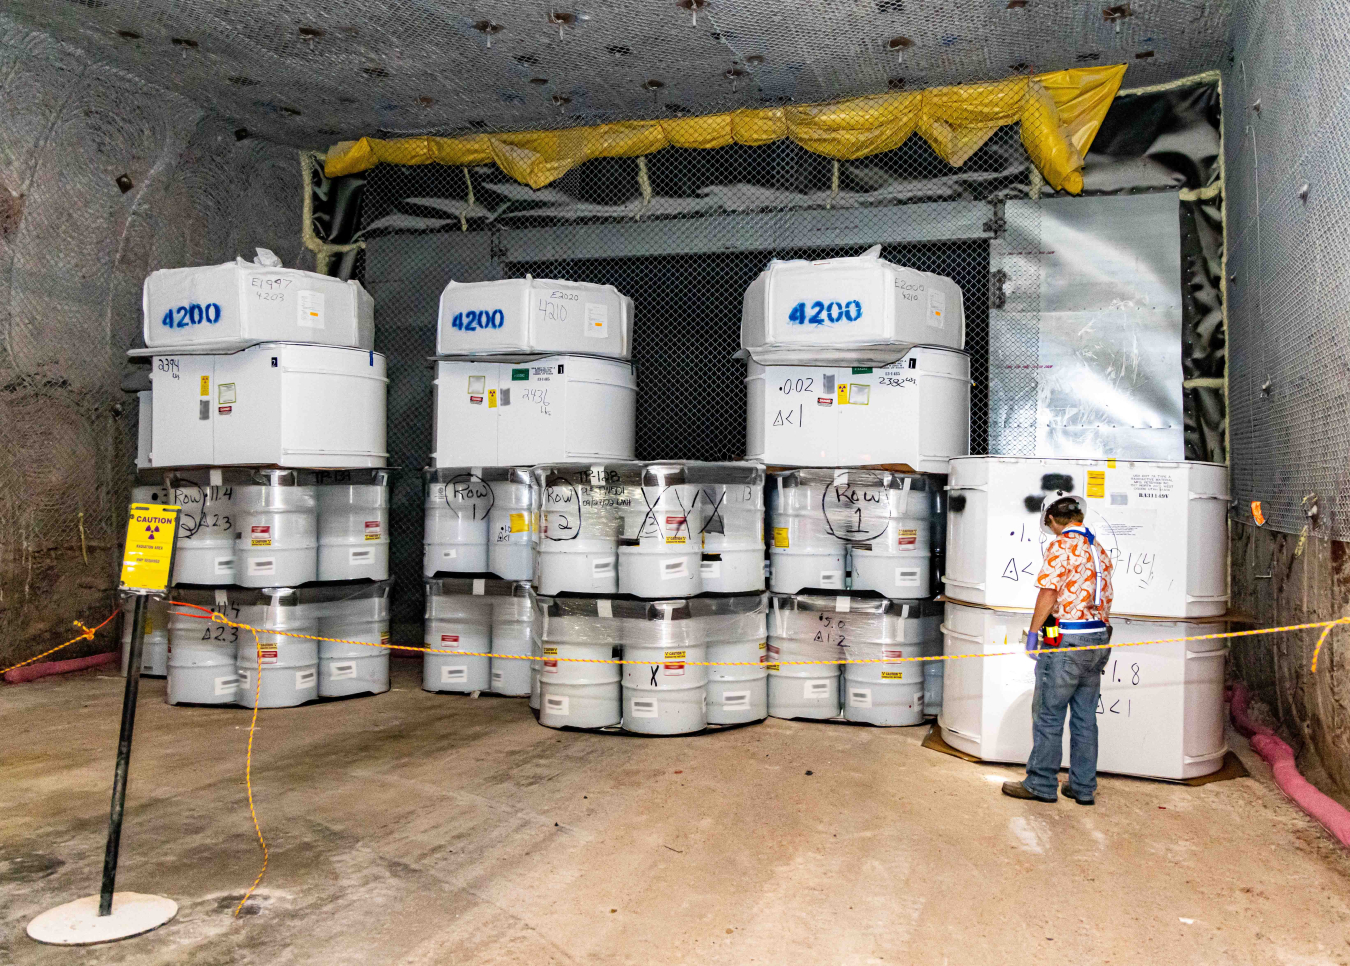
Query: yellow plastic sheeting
x,y
1060,114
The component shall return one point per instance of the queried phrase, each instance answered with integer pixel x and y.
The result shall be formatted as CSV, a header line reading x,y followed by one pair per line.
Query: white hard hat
x,y
1051,499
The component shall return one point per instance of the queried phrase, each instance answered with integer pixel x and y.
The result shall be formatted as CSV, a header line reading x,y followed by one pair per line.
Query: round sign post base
x,y
79,924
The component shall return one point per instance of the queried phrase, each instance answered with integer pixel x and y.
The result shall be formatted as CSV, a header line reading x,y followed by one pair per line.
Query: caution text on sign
x,y
152,532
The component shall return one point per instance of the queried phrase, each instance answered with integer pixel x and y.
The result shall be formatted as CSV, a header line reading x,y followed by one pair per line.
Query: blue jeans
x,y
1068,682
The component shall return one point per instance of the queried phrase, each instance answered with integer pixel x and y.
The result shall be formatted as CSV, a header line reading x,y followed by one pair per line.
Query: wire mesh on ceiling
x,y
308,73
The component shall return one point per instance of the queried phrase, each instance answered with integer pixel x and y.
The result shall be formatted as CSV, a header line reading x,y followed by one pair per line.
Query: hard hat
x,y
1053,498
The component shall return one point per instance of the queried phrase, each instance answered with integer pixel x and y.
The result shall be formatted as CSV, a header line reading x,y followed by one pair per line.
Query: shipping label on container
x,y
597,320
780,538
260,535
676,530
267,654
908,538
311,310
550,660
374,530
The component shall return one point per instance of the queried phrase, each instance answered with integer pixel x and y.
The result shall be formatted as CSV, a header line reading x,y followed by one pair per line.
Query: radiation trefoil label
x,y
152,536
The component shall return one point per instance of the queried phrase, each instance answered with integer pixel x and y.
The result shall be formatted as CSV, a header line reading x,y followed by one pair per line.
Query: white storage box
x,y
1164,525
915,412
519,414
848,311
278,404
1161,709
223,308
529,315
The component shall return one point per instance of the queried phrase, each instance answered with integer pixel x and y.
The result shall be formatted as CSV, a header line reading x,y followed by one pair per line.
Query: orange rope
x,y
87,635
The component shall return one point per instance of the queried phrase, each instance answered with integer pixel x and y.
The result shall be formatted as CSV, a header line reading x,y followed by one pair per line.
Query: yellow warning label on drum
x,y
892,675
206,385
843,394
520,523
492,399
780,538
152,533
677,539
550,652
1110,464
674,655
1096,484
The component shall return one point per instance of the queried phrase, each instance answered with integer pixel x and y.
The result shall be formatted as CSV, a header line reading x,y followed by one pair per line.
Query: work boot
x,y
1068,792
1019,790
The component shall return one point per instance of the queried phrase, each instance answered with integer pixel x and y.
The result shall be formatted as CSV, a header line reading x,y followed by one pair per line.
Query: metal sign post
x,y
152,532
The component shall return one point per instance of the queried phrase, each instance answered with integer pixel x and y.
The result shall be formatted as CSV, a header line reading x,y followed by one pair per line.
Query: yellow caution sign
x,y
152,535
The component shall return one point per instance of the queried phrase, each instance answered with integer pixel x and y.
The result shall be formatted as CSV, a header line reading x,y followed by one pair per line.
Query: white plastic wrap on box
x,y
518,414
275,404
1160,714
914,412
223,308
533,315
859,311
1164,525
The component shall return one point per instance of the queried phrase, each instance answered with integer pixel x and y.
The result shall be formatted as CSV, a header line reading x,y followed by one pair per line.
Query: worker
x,y
1073,609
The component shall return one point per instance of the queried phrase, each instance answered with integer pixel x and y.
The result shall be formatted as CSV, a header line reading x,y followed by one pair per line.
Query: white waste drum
x,y
577,687
277,541
894,633
660,554
806,628
359,615
536,649
353,524
289,665
804,552
887,519
932,679
457,506
512,525
512,618
581,518
664,693
203,653
1160,713
459,628
732,512
155,643
208,526
734,631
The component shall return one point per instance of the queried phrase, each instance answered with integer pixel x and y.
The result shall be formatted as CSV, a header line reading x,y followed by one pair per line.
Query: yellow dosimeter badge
x,y
152,535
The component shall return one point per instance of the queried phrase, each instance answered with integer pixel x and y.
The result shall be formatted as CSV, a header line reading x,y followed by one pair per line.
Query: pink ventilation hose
x,y
1334,818
31,672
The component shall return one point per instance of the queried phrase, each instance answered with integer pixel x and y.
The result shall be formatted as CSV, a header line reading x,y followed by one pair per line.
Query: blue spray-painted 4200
x,y
182,316
479,321
825,313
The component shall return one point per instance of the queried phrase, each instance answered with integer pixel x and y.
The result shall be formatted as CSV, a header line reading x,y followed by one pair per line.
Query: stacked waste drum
x,y
1164,526
265,422
858,396
659,564
528,371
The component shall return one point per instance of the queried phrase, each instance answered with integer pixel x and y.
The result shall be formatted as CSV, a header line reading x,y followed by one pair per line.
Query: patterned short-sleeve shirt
x,y
1068,571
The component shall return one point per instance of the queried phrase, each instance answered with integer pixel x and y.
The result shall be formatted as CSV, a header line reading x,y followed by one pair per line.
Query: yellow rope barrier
x,y
87,635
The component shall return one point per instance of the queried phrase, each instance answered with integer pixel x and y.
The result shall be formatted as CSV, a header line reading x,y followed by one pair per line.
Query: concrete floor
x,y
414,828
